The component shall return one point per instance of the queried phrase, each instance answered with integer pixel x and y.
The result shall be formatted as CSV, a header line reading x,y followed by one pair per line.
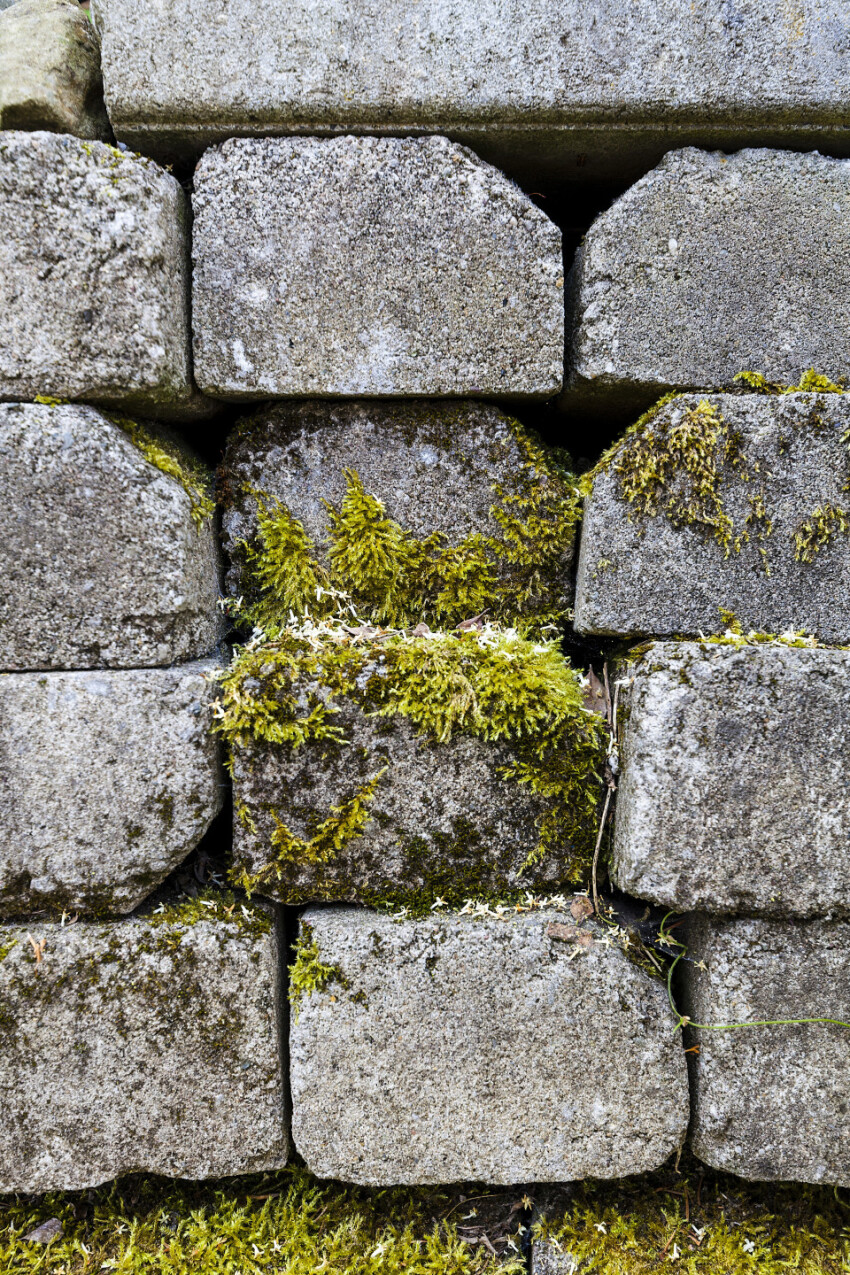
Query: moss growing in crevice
x,y
190,474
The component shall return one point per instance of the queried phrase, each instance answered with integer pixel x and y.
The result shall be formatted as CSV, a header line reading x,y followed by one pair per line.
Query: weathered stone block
x,y
371,266
93,277
709,265
488,507
107,559
496,1050
146,1045
732,796
770,1103
556,87
109,779
50,70
731,502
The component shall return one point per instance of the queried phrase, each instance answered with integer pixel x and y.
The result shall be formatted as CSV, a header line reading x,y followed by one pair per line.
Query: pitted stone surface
x,y
50,70
556,87
643,575
733,792
109,779
770,1103
93,277
371,266
145,1045
435,466
436,1038
710,265
102,563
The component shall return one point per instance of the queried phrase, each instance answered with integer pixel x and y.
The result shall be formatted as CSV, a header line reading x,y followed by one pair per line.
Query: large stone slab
x,y
371,266
109,779
709,265
493,1050
732,796
147,1045
736,506
50,70
107,559
94,300
557,88
770,1103
463,473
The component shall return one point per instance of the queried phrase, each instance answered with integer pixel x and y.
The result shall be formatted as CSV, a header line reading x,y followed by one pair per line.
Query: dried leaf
x,y
581,908
569,934
49,1230
594,695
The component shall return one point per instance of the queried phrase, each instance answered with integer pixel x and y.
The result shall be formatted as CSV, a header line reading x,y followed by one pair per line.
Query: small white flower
x,y
602,1228
748,1246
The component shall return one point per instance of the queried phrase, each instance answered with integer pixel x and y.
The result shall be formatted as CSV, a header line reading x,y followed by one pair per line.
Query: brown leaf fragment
x,y
421,630
594,694
569,934
49,1230
581,908
38,949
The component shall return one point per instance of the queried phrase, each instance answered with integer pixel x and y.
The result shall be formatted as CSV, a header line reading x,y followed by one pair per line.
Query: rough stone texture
x,y
482,1050
770,1103
639,575
371,266
50,70
139,1046
709,265
108,779
547,1260
559,88
434,465
102,564
93,277
733,794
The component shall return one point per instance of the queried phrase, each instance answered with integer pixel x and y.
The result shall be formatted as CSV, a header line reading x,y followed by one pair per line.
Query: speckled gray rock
x,y
437,467
109,779
371,266
101,560
421,1061
733,793
93,277
547,1260
710,265
770,1103
145,1045
50,70
645,575
557,87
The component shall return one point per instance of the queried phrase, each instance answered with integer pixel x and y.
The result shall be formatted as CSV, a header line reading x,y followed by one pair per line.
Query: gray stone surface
x,y
644,575
709,265
101,561
733,793
371,266
94,265
481,1049
145,1045
435,466
547,1260
770,1103
50,70
561,88
109,779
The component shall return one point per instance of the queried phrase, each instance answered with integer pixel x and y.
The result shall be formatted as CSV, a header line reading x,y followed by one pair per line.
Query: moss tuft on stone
x,y
191,475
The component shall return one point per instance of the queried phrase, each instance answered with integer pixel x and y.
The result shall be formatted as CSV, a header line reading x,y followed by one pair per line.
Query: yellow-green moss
x,y
191,476
818,529
308,972
811,382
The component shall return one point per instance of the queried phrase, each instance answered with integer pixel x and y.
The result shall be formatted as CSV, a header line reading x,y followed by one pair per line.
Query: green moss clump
x,y
818,529
252,920
308,973
811,382
191,475
6,948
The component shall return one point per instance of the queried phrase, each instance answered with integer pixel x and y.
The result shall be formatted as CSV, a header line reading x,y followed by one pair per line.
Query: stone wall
x,y
455,779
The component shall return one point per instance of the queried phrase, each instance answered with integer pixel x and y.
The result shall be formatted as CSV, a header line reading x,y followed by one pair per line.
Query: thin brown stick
x,y
596,851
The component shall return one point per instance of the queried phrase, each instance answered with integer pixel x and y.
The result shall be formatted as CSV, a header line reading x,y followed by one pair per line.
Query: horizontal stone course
x,y
502,1051
94,286
709,265
108,778
371,266
107,560
746,529
145,1045
732,797
770,1103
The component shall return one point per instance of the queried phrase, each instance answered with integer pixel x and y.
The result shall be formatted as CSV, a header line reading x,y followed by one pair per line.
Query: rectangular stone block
x,y
369,266
108,551
94,300
108,780
149,1045
710,265
733,503
557,88
770,1103
732,793
524,1048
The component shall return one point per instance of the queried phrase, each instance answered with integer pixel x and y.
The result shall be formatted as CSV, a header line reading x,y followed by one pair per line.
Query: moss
x,y
308,973
191,475
818,529
6,948
251,919
811,382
